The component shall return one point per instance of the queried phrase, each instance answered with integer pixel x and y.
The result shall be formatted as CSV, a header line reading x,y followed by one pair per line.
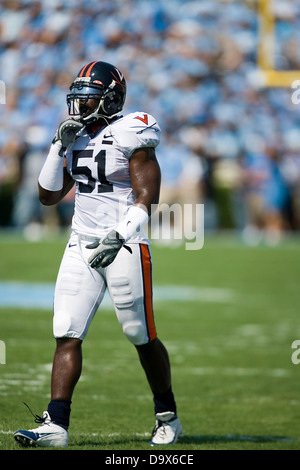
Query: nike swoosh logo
x,y
70,246
44,434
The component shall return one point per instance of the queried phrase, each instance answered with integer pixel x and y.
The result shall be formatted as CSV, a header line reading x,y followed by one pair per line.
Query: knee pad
x,y
61,325
135,332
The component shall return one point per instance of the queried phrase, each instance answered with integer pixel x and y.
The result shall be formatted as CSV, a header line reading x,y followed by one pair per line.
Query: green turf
x,y
235,384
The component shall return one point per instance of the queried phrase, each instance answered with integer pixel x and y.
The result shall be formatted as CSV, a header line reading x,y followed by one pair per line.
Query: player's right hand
x,y
66,133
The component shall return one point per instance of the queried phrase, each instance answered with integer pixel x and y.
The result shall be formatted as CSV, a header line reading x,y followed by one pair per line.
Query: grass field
x,y
228,324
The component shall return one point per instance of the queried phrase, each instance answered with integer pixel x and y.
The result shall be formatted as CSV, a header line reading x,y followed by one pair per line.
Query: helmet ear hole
x,y
112,103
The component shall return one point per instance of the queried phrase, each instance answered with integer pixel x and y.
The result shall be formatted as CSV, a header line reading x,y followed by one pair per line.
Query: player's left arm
x,y
145,179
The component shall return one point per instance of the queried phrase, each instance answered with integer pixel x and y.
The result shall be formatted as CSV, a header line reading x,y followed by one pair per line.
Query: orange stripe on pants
x,y
147,279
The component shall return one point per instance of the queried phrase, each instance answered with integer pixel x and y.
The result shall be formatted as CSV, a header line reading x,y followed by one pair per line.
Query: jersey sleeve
x,y
139,130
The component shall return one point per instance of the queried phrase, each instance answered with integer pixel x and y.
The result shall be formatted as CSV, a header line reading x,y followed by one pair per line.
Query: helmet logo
x,y
117,80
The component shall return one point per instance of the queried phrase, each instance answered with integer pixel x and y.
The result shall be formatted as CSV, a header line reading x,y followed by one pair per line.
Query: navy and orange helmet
x,y
102,82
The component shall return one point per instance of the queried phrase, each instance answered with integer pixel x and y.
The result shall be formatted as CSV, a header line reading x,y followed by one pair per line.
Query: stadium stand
x,y
230,141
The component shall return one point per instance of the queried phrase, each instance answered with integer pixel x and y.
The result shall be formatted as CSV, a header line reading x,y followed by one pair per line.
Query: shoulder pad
x,y
139,122
137,130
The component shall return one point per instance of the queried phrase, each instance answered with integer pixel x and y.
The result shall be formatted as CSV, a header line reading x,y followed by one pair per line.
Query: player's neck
x,y
95,127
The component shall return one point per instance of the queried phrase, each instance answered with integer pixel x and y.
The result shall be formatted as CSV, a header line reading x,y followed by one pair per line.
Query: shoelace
x,y
37,419
160,428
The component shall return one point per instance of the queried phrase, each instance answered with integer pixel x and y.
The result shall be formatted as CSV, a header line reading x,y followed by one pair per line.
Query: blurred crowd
x,y
228,142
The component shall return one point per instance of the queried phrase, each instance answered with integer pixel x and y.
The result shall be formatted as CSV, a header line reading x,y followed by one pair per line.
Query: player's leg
x,y
155,362
66,371
78,293
129,281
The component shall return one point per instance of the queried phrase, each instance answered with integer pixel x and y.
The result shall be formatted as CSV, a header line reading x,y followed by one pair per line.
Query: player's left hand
x,y
105,250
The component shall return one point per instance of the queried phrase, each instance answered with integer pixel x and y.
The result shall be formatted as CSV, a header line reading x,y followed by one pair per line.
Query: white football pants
x,y
80,289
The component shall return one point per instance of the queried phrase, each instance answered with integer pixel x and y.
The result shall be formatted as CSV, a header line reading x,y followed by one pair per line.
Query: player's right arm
x,y
49,198
54,180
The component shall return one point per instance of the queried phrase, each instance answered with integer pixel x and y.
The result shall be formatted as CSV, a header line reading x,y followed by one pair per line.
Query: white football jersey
x,y
99,164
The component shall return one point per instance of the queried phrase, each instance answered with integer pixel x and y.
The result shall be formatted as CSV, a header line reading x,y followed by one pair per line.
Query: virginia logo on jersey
x,y
143,119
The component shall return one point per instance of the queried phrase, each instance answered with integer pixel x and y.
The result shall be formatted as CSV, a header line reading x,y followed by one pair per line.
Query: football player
x,y
111,159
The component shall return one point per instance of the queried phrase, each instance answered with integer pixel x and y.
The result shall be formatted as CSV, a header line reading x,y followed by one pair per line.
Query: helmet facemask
x,y
109,101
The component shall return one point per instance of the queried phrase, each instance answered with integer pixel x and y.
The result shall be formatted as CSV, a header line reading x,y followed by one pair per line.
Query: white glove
x,y
106,250
66,133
